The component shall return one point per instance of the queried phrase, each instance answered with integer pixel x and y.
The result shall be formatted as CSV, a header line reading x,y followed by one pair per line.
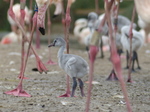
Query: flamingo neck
x,y
61,51
77,30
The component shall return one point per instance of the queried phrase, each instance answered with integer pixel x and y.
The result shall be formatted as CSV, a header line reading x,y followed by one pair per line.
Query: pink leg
x,y
23,40
19,90
130,55
115,57
93,52
96,6
37,39
68,92
50,62
40,65
112,76
22,61
66,23
14,28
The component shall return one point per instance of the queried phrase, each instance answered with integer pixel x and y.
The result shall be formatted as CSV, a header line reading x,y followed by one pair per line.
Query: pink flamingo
x,y
19,90
115,61
42,7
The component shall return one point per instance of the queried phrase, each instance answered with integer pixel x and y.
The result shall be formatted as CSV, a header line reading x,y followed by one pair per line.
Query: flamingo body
x,y
16,10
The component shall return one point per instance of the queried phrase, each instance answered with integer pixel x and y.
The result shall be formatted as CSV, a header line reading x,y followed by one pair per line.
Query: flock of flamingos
x,y
109,28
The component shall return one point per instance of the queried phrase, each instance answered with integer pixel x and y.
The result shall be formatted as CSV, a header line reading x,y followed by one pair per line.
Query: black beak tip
x,y
50,45
54,16
42,30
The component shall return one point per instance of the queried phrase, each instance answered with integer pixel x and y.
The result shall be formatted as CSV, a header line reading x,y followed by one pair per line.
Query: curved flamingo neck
x,y
61,51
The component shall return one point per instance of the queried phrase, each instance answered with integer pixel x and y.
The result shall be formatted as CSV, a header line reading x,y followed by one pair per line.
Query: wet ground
x,y
45,88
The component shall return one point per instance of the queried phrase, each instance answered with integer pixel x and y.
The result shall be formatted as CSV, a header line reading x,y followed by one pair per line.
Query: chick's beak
x,y
52,44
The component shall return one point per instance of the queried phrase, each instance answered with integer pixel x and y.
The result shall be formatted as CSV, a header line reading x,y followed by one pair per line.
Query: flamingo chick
x,y
137,42
75,66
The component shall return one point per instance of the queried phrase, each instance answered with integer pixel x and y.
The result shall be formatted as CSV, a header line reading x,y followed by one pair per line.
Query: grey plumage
x,y
123,21
94,23
75,66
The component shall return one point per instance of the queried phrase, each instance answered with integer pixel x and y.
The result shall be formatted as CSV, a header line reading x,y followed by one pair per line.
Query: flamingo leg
x,y
41,67
97,6
112,76
81,87
133,61
137,60
22,12
68,92
130,55
93,52
66,22
115,57
50,61
37,38
19,90
127,60
30,7
73,86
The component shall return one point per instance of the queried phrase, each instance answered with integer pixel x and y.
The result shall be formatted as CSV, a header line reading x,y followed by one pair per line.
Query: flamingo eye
x,y
55,41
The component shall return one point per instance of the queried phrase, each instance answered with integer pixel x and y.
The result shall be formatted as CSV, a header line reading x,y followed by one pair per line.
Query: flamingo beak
x,y
41,18
52,44
42,30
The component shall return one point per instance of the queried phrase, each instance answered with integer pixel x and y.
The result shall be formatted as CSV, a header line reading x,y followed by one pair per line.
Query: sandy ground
x,y
45,88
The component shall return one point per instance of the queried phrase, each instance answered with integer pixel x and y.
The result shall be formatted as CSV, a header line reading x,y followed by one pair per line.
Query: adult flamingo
x,y
19,90
42,7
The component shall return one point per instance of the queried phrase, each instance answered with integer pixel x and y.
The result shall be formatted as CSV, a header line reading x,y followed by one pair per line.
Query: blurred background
x,y
79,9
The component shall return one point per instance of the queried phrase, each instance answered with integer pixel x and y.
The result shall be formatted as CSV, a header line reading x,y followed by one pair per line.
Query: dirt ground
x,y
45,88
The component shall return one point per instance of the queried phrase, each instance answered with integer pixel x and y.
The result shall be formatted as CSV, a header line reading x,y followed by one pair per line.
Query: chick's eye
x,y
55,41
